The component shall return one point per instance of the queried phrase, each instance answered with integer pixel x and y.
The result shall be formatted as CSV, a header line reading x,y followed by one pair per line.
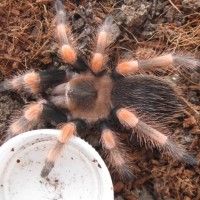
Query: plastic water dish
x,y
79,172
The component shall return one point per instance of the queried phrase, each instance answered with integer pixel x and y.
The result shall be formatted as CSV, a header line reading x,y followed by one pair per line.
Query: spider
x,y
88,95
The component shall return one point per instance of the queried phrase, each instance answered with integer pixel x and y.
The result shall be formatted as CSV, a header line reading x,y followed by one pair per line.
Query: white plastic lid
x,y
79,173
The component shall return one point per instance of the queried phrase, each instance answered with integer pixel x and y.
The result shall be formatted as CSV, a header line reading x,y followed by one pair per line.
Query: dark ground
x,y
148,27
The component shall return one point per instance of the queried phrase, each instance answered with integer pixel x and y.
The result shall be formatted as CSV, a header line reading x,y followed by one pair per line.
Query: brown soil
x,y
148,27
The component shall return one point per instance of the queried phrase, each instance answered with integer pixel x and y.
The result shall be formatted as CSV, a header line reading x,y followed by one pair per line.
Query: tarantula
x,y
88,95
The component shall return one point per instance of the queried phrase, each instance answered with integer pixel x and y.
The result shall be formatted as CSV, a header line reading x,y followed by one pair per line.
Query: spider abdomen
x,y
149,96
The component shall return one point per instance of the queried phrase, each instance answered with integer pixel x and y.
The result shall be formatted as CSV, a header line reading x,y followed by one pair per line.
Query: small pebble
x,y
118,186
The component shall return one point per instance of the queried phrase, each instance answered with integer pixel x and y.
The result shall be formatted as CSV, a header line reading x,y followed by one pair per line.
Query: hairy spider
x,y
89,95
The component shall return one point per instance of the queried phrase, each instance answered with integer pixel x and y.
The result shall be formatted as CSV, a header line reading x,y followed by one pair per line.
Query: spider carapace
x,y
88,95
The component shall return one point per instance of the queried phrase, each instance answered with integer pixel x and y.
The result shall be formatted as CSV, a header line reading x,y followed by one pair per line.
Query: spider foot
x,y
47,168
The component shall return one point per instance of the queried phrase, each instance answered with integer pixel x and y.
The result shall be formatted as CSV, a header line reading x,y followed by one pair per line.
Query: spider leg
x,y
35,82
33,114
132,66
68,130
106,35
152,137
67,45
115,153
